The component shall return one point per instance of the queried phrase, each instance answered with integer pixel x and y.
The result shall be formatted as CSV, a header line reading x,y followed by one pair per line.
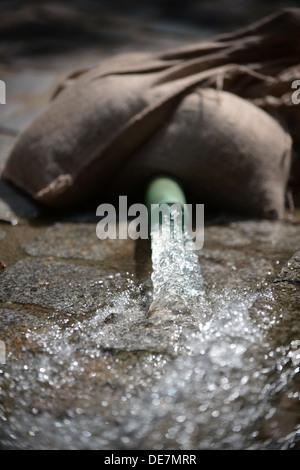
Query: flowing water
x,y
176,277
172,368
224,383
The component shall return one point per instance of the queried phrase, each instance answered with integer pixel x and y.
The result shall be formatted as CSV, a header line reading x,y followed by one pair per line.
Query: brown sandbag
x,y
240,170
109,128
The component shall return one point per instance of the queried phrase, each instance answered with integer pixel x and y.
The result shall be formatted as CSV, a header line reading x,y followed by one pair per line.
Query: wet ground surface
x,y
84,364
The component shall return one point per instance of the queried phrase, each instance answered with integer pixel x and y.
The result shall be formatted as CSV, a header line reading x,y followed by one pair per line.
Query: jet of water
x,y
176,273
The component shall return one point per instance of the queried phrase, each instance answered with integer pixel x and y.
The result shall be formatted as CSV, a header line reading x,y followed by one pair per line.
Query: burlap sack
x,y
109,128
241,170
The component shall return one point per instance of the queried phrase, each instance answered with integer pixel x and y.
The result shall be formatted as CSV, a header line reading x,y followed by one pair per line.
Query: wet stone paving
x,y
85,363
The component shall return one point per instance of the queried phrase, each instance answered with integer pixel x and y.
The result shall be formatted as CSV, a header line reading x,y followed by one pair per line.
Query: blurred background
x,y
43,27
42,41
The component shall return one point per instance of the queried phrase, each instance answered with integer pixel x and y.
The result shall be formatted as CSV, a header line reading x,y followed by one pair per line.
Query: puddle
x,y
89,365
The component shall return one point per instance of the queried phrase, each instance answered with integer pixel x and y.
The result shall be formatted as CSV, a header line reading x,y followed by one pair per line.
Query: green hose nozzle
x,y
164,190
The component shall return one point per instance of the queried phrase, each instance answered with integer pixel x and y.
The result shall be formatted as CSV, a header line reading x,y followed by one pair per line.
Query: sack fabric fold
x,y
218,115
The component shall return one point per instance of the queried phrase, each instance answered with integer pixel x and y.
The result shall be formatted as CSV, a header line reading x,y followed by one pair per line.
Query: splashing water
x,y
176,277
206,378
225,384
